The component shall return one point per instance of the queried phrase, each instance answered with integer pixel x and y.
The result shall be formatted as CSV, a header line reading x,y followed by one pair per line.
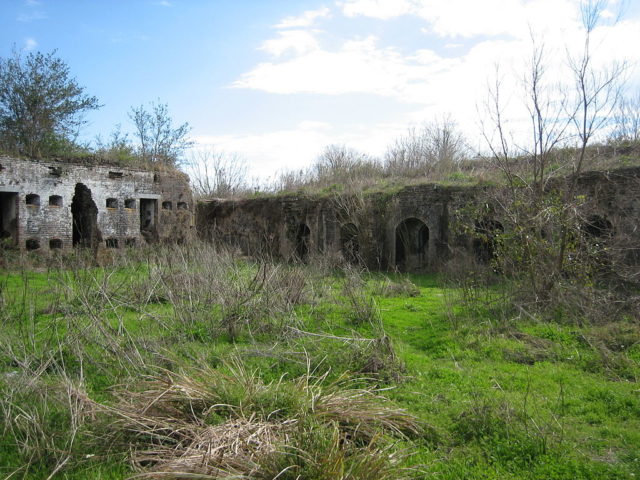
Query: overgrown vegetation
x,y
189,362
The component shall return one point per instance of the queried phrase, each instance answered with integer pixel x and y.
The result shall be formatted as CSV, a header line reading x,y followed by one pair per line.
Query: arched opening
x,y
303,237
412,245
350,243
85,218
597,227
485,241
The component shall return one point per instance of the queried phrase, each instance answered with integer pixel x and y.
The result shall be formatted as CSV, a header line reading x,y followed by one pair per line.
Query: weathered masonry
x,y
50,205
408,230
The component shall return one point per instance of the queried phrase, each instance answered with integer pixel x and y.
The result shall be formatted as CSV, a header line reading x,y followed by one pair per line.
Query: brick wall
x,y
43,192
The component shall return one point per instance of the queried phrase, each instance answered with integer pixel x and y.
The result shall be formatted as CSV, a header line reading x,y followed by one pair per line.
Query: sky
x,y
278,80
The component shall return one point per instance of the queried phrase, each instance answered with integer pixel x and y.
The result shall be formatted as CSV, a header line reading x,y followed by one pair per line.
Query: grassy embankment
x,y
193,361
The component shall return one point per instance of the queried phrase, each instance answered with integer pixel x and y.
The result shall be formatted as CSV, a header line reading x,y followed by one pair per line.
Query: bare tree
x,y
542,223
158,140
627,120
596,94
438,145
217,174
341,164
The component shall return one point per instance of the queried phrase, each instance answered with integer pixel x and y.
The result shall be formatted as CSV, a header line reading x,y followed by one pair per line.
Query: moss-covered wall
x,y
410,229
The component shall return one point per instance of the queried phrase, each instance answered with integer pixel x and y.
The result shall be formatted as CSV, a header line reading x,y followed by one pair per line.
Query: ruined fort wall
x,y
272,225
41,193
410,229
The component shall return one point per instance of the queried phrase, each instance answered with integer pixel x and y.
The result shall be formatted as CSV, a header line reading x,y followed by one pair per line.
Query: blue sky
x,y
276,81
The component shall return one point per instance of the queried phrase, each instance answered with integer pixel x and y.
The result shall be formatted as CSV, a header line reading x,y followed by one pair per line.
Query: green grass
x,y
500,397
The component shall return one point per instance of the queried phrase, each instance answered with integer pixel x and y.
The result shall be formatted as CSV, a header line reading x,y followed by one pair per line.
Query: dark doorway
x,y
8,219
148,219
412,245
485,242
303,236
349,243
85,218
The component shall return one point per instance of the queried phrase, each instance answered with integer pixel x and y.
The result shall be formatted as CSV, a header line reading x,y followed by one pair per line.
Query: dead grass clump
x,y
377,358
233,448
403,288
373,357
325,453
44,419
613,346
363,308
222,423
617,337
213,288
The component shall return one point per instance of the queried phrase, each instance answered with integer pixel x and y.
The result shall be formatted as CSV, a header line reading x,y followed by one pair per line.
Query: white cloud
x,y
358,66
30,44
464,18
30,17
268,153
307,19
431,81
298,41
424,76
297,147
382,9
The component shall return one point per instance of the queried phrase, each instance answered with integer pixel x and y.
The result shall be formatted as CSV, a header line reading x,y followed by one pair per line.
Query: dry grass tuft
x,y
215,424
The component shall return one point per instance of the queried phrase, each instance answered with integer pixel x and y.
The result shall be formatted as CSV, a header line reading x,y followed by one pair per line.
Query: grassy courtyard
x,y
187,362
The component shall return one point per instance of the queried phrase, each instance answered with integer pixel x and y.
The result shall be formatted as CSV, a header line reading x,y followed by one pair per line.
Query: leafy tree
x,y
41,105
158,140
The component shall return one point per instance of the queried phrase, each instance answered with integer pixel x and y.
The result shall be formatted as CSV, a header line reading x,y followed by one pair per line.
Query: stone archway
x,y
303,237
411,245
350,243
